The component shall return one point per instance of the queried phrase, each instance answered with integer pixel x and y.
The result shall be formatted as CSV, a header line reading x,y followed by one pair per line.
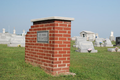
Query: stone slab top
x,y
53,18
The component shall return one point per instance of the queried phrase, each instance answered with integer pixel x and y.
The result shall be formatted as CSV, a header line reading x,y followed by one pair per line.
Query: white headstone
x,y
17,40
73,38
85,45
113,50
5,38
97,42
108,43
79,39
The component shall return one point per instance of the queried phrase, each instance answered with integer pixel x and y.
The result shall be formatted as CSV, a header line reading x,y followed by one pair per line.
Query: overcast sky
x,y
98,16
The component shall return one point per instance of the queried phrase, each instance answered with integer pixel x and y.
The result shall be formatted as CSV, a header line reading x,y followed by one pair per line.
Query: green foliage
x,y
103,65
113,42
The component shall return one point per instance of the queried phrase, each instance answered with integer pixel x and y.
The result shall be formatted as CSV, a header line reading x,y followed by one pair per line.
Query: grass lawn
x,y
103,65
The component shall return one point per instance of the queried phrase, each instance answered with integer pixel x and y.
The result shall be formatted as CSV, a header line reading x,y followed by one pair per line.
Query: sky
x,y
98,16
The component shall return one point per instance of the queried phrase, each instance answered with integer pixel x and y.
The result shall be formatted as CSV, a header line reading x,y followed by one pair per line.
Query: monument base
x,y
98,45
85,51
113,50
108,45
5,42
15,45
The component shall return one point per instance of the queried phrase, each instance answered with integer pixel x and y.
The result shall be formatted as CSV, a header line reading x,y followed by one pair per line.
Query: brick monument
x,y
48,44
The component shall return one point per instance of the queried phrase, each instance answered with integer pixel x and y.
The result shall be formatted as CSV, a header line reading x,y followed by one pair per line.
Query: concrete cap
x,y
51,18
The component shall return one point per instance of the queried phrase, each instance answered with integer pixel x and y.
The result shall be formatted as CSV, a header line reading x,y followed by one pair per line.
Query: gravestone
x,y
113,50
107,43
17,40
47,44
5,38
79,39
97,42
90,39
73,38
117,41
85,45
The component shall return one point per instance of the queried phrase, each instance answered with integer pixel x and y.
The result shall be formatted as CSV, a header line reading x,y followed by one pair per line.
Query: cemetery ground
x,y
103,65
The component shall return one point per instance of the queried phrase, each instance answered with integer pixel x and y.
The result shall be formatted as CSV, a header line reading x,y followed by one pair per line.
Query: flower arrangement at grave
x,y
89,50
116,49
19,45
100,43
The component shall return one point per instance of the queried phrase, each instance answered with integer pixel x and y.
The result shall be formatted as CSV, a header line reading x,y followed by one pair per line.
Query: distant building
x,y
88,34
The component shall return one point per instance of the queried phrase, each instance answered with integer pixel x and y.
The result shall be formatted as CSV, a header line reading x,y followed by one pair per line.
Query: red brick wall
x,y
54,56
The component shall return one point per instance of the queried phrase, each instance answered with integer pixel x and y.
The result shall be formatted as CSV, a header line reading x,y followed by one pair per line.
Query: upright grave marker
x,y
107,43
112,38
48,44
117,41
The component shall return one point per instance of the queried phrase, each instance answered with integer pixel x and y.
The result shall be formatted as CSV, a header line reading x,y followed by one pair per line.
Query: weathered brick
x,y
57,28
69,32
67,22
59,42
61,65
46,25
54,31
66,55
62,38
56,69
68,28
62,59
68,64
62,31
63,25
48,54
57,55
66,68
53,65
57,48
41,25
49,28
54,24
56,62
57,35
58,21
62,52
66,35
49,48
66,42
68,58
66,61
66,48
62,45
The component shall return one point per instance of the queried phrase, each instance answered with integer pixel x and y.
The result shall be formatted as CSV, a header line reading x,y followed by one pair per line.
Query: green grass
x,y
103,65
